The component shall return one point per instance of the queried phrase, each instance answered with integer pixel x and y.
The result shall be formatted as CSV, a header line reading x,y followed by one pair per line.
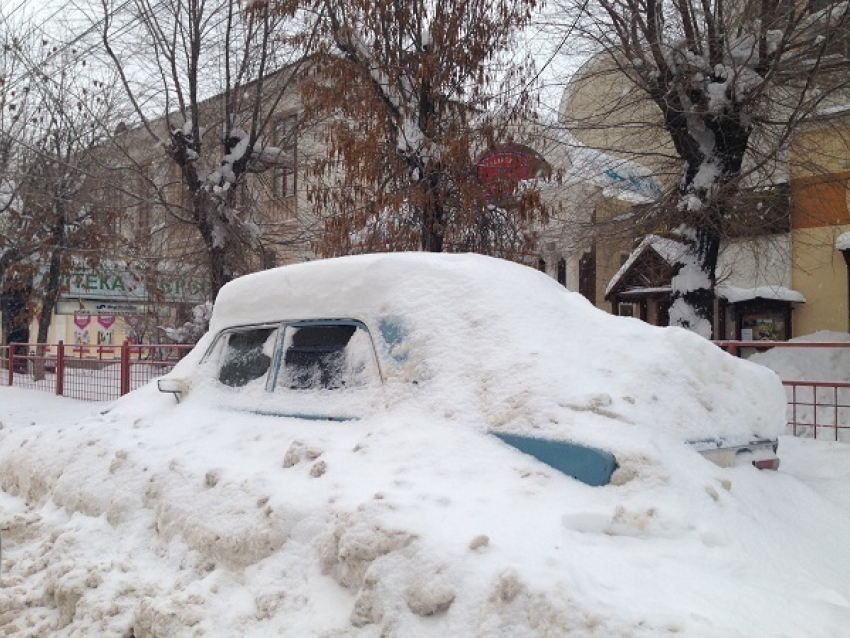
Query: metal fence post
x,y
125,367
60,368
11,364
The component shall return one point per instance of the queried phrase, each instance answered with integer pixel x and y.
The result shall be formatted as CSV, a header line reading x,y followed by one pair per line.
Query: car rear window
x,y
327,356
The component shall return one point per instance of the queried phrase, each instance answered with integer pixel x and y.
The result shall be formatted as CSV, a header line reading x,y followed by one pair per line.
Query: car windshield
x,y
247,356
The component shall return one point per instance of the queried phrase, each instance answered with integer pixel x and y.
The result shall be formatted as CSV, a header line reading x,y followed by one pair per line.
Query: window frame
x,y
225,334
285,137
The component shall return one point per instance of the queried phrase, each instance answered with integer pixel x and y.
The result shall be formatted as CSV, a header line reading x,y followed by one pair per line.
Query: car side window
x,y
247,356
330,356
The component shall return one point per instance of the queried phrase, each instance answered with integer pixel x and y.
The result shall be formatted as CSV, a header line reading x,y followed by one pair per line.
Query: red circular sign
x,y
501,170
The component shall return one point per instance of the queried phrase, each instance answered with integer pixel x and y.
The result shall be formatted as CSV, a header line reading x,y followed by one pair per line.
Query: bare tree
x,y
18,41
419,89
206,90
53,108
728,82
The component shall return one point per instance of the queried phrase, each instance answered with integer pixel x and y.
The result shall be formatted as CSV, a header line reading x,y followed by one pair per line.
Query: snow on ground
x,y
188,522
146,518
90,379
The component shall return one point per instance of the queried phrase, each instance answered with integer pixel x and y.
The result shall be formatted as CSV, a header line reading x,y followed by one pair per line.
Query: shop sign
x,y
639,184
84,308
122,285
501,170
101,285
82,320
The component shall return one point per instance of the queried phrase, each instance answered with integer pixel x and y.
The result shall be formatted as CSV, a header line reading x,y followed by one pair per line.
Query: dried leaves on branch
x,y
418,90
53,108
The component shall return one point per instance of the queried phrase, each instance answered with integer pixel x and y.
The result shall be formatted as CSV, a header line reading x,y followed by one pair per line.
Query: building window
x,y
286,139
562,271
587,275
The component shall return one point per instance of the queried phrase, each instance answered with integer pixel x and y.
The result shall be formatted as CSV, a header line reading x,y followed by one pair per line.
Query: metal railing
x,y
92,373
817,409
743,348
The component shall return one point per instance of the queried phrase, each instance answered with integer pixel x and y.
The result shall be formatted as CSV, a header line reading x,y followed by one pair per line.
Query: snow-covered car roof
x,y
502,346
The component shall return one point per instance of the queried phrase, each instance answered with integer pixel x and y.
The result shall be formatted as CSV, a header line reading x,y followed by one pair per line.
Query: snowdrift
x,y
156,519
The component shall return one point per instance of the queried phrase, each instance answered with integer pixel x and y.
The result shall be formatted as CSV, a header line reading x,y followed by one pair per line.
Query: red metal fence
x,y
818,409
92,373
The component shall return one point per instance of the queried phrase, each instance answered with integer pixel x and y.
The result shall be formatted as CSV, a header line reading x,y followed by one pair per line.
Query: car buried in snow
x,y
483,343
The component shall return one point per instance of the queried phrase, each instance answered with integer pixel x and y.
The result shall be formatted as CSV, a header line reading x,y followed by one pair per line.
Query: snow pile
x,y
188,521
810,364
158,519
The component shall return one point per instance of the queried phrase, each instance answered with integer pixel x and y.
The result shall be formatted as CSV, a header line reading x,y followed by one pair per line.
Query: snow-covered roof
x,y
580,165
668,249
648,290
671,251
734,294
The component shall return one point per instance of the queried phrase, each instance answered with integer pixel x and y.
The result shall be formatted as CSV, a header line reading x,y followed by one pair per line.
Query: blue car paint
x,y
586,464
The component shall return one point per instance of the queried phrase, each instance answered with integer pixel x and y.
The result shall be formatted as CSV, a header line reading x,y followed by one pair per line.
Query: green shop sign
x,y
122,285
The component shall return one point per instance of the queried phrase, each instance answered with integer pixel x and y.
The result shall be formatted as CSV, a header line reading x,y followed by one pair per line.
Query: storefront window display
x,y
763,326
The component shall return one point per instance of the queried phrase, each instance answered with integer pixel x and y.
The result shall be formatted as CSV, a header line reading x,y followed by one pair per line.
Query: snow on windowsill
x,y
843,242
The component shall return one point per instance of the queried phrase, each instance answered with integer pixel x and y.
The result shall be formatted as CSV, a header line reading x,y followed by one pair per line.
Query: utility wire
x,y
69,46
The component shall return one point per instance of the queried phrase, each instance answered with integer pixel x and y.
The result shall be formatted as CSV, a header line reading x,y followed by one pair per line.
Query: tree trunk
x,y
220,273
51,294
692,288
433,215
215,243
433,229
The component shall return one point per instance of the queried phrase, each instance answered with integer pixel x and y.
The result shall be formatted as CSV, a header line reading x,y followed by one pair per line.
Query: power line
x,y
65,47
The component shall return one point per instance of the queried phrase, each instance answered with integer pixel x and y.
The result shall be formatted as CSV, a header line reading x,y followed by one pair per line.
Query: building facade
x,y
786,278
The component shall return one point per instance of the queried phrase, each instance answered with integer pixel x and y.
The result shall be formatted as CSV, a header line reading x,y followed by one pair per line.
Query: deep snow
x,y
198,523
810,364
157,519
